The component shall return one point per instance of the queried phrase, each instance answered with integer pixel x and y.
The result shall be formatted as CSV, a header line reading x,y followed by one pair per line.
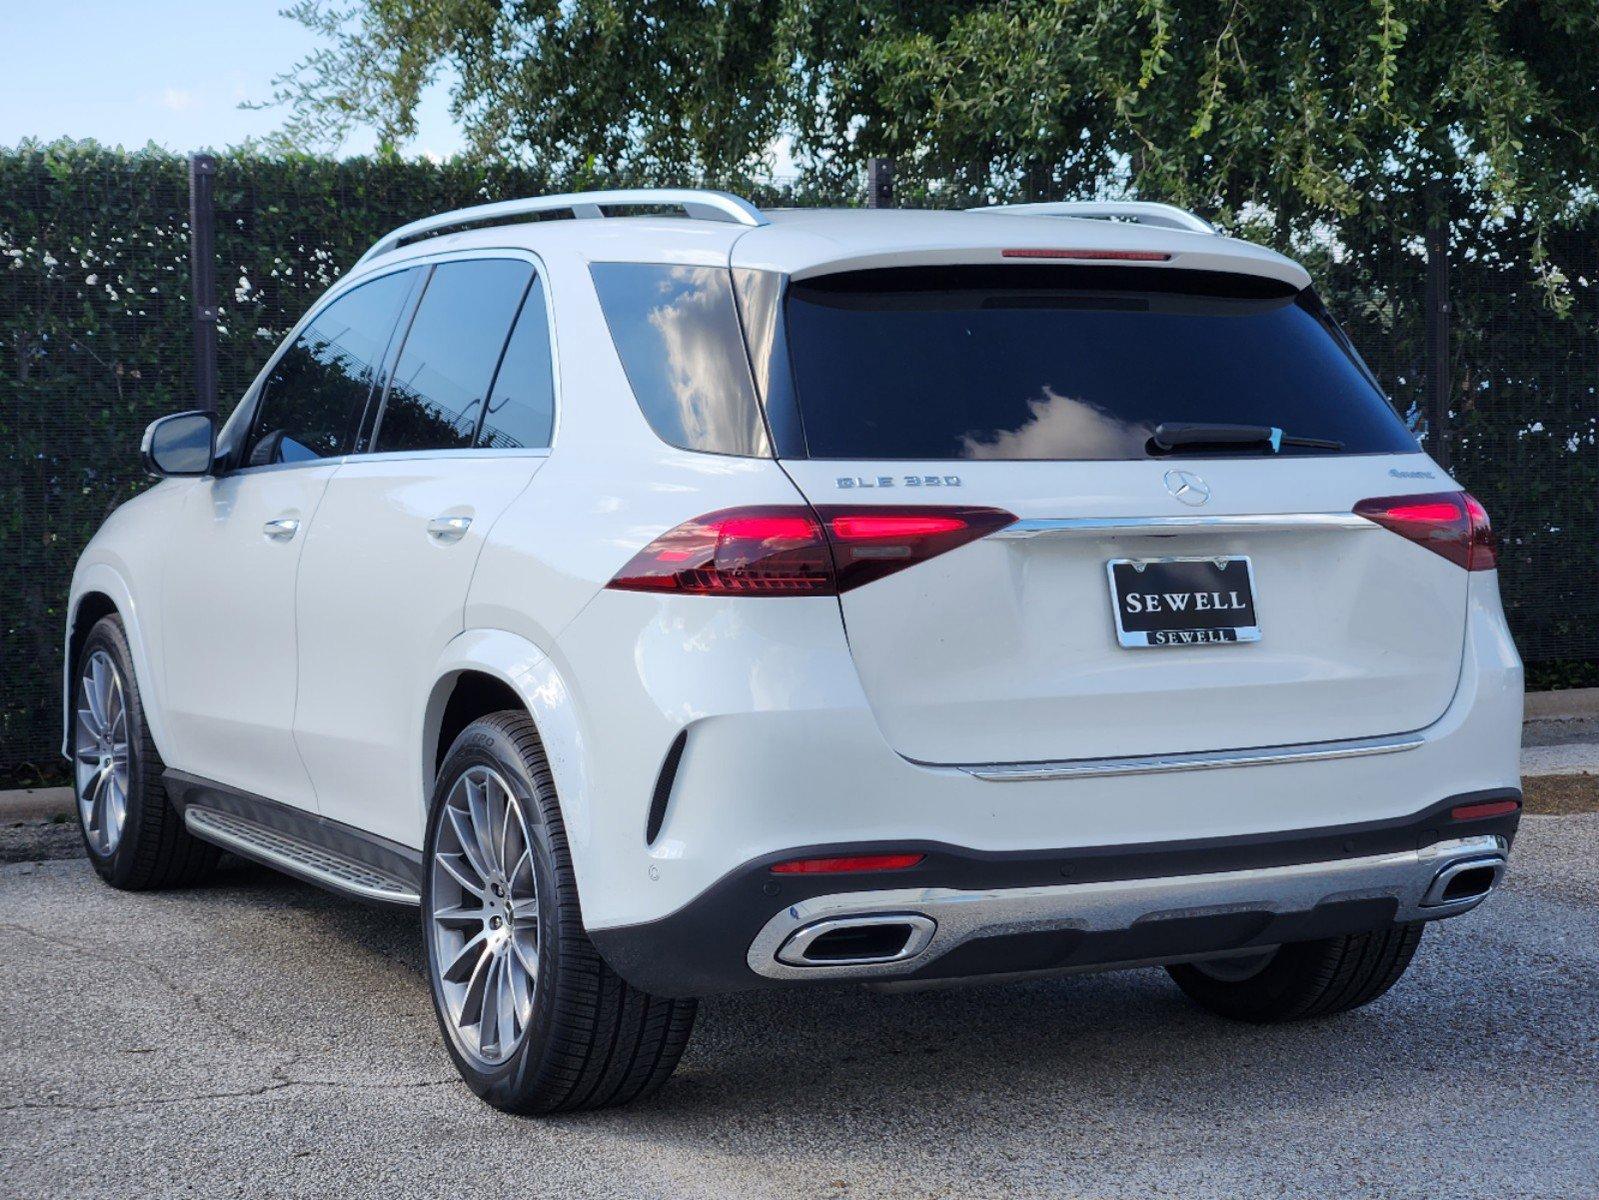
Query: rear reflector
x,y
1452,524
793,550
1490,808
1091,255
841,866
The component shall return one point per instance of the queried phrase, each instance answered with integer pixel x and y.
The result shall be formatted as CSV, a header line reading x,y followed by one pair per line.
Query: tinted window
x,y
1067,363
442,376
521,410
678,336
314,399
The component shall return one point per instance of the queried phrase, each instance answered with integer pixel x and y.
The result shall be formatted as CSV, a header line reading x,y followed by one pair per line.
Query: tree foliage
x,y
651,90
1288,117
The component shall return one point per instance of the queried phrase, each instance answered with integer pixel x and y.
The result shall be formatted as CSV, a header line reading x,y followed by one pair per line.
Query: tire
x,y
1303,980
145,847
578,1036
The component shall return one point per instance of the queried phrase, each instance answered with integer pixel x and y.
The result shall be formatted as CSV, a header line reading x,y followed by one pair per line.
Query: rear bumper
x,y
781,752
965,913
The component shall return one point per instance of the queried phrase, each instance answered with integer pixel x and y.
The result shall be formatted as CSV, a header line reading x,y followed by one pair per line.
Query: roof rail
x,y
701,204
1141,212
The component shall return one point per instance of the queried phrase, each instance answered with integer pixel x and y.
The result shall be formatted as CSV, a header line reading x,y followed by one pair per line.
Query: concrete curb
x,y
35,804
1565,705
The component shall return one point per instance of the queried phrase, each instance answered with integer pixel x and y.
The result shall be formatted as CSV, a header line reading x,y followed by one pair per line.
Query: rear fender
x,y
528,671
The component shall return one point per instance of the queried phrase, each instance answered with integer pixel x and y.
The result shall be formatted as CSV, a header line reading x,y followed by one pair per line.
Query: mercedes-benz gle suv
x,y
705,599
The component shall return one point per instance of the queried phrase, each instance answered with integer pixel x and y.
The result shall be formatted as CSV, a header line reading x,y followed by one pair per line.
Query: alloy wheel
x,y
485,916
100,752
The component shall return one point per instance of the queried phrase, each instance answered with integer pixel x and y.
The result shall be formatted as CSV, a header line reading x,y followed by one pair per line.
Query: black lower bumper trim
x,y
701,948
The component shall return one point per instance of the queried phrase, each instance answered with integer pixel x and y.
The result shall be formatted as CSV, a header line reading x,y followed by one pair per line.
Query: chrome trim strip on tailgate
x,y
1159,526
1201,760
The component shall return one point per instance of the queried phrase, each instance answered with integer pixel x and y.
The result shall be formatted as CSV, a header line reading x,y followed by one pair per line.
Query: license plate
x,y
1183,601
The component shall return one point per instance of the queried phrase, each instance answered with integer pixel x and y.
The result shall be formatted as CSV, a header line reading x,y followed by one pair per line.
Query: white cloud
x,y
178,99
1056,427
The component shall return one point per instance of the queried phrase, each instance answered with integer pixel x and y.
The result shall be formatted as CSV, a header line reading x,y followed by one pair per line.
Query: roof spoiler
x,y
1139,212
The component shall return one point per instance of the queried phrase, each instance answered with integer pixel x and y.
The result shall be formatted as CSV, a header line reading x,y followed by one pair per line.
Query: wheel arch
x,y
483,671
99,591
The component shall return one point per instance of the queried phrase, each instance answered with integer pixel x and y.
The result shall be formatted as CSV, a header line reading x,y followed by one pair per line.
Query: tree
x,y
1341,111
1287,114
582,89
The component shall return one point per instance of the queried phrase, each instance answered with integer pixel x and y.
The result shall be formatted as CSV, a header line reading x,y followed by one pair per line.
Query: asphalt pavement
x,y
257,1037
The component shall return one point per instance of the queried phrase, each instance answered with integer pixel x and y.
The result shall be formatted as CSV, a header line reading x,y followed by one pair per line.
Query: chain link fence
x,y
96,340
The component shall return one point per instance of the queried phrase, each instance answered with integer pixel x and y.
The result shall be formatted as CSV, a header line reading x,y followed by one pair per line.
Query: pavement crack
x,y
249,1093
196,1000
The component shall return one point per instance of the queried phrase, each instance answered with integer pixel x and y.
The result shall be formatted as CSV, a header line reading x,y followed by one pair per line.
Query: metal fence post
x,y
879,183
1438,309
203,277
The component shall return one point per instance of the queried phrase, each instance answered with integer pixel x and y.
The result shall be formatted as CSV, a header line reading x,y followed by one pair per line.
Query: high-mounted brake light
x,y
1452,524
794,550
841,866
1083,255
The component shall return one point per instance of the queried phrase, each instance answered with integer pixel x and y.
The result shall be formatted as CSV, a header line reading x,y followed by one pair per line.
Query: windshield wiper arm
x,y
1173,435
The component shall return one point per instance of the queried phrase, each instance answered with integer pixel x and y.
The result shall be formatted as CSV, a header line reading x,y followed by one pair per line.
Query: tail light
x,y
794,550
1452,524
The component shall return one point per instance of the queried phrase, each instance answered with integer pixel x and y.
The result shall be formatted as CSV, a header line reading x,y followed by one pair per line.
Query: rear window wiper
x,y
1175,435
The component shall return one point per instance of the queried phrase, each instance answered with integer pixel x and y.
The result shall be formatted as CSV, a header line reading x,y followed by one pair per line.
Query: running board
x,y
284,852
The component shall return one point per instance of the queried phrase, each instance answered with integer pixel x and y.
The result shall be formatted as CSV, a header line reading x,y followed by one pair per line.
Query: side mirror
x,y
182,444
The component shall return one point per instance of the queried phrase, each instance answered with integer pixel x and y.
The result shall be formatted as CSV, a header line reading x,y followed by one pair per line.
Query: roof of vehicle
x,y
801,242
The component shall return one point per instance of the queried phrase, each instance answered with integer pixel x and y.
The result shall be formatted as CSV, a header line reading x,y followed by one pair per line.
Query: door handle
x,y
448,529
281,529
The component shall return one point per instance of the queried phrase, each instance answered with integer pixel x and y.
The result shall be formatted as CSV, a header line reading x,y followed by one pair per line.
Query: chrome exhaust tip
x,y
858,941
1469,879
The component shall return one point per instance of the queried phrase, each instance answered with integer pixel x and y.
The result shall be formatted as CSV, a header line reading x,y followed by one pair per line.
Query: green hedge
x,y
96,340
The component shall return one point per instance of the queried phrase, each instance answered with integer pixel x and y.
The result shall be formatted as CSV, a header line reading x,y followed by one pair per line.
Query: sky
x,y
168,71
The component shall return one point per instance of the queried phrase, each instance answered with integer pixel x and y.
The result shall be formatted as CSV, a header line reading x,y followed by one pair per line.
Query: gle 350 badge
x,y
888,481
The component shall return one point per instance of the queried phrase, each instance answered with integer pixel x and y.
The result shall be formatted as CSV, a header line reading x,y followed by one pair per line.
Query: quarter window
x,y
677,332
441,380
314,400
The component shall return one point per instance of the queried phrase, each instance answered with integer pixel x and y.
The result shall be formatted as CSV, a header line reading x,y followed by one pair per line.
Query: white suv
x,y
706,599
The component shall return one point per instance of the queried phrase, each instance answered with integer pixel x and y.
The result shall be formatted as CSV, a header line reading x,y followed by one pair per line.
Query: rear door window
x,y
441,379
521,410
315,398
1074,363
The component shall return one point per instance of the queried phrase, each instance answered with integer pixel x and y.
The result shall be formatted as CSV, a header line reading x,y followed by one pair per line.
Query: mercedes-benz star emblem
x,y
1187,487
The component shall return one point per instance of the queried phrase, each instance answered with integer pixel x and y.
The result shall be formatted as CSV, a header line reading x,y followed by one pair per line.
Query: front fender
x,y
530,673
104,575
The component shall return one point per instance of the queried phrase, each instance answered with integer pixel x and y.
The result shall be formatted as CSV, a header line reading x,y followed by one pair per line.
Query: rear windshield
x,y
1061,362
